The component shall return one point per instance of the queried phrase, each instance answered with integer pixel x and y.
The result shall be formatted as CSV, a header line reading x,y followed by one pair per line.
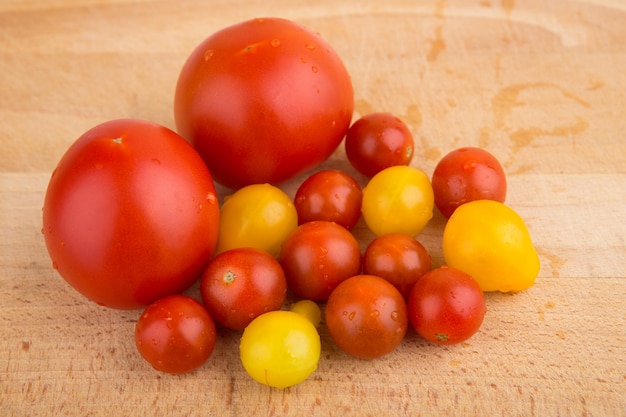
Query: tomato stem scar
x,y
229,277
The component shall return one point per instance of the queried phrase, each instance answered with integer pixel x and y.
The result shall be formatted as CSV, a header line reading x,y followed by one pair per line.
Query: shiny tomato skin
x,y
398,258
280,348
317,256
398,199
446,306
377,141
467,174
241,284
366,316
175,334
257,215
263,101
330,195
130,214
491,242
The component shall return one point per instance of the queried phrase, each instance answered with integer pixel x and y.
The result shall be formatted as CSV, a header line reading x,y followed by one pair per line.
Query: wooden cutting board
x,y
539,83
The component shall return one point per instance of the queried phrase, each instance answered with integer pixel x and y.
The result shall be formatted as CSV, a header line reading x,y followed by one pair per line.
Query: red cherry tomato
x,y
175,334
130,214
329,195
366,316
262,101
446,306
398,258
377,141
467,174
241,284
317,256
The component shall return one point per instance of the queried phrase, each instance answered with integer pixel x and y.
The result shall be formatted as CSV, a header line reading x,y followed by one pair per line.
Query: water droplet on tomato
x,y
275,43
43,232
394,315
211,198
62,244
310,46
314,69
375,313
209,54
55,265
155,342
351,316
156,161
470,165
303,60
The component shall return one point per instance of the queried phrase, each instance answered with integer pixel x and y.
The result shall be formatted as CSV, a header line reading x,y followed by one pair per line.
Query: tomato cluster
x,y
131,217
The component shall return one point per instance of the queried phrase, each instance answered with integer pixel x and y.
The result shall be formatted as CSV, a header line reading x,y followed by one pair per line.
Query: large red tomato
x,y
130,214
262,101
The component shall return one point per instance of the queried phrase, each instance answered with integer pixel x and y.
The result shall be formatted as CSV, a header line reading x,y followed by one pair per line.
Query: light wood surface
x,y
539,83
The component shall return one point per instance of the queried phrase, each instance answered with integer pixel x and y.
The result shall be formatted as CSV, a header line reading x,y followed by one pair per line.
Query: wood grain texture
x,y
540,83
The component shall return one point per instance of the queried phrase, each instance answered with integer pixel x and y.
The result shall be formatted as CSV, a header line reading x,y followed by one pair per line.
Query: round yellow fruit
x,y
490,241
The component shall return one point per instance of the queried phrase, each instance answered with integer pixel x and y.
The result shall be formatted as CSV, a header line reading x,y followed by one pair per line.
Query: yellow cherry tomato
x,y
309,309
258,216
280,348
489,241
398,199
